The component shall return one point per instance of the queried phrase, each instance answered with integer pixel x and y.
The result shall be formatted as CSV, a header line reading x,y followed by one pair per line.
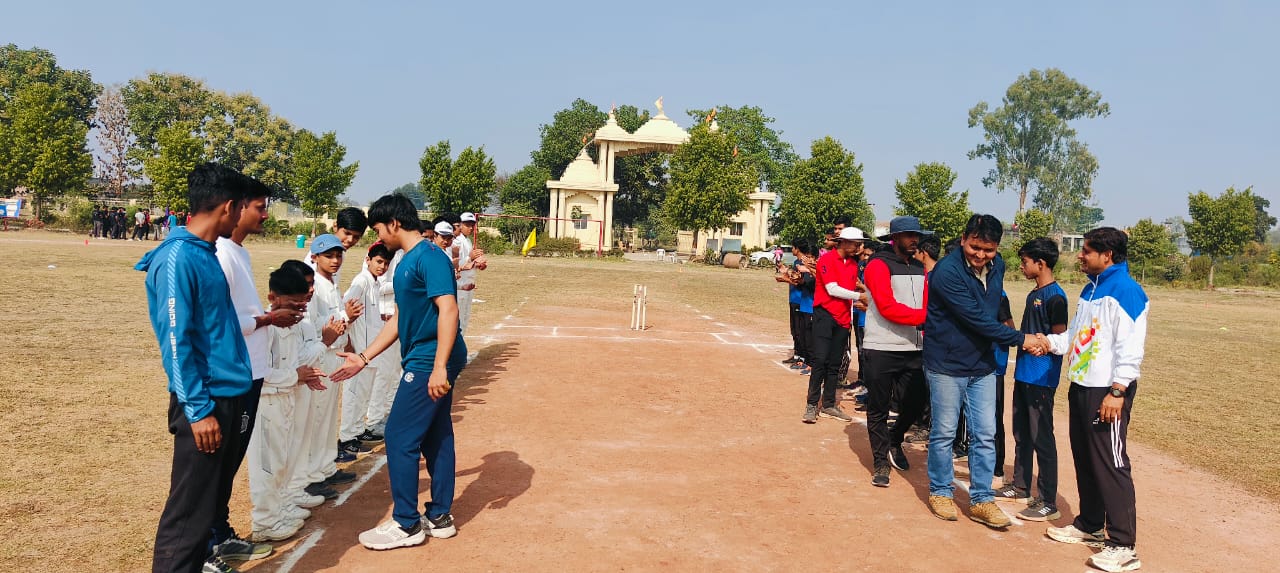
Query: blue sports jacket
x,y
960,324
203,352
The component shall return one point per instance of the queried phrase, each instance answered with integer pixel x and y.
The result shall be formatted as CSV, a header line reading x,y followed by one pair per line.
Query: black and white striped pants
x,y
1103,474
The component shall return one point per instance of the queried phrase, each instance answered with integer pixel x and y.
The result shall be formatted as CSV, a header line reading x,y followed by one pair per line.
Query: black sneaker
x,y
1010,493
791,360
237,549
370,437
216,565
321,489
898,458
340,477
353,447
881,479
440,527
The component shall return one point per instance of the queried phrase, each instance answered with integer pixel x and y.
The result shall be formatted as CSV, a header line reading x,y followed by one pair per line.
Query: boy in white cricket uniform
x,y
355,396
326,309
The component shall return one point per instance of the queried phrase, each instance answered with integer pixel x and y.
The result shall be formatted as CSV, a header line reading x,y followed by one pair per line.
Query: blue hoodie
x,y
200,342
961,322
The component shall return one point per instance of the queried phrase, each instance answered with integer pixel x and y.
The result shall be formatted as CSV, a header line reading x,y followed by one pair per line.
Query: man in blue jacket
x,y
961,327
207,363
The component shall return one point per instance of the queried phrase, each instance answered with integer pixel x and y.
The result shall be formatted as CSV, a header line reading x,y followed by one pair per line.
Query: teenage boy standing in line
x,y
420,424
834,282
326,308
1035,381
959,363
895,280
207,364
1106,341
356,391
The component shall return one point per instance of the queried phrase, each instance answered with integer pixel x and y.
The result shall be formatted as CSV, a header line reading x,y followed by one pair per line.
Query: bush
x,y
274,227
1198,268
77,215
304,228
493,244
556,247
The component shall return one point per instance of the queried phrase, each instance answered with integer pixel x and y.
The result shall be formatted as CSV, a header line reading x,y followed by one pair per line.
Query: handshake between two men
x,y
1036,344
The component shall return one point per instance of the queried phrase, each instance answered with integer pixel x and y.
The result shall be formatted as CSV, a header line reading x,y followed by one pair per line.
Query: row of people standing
x,y
115,223
933,336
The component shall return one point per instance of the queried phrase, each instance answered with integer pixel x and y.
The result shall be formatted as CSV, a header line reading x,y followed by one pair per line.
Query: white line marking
x,y
500,326
640,339
555,331
705,317
377,465
722,325
300,551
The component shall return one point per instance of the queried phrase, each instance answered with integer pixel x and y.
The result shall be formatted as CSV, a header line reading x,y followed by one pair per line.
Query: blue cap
x,y
326,243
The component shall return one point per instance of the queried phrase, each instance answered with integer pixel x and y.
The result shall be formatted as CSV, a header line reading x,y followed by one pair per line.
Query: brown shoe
x,y
942,507
989,514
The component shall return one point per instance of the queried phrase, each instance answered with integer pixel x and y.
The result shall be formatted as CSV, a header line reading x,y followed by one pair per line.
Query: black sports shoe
x,y
353,447
344,457
216,565
440,527
321,489
791,360
881,479
369,437
898,458
340,477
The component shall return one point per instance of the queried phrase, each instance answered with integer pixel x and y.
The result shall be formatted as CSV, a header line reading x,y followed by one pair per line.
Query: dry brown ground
x,y
84,410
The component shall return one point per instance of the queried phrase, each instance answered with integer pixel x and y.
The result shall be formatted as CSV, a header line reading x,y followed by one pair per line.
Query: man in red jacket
x,y
834,282
893,343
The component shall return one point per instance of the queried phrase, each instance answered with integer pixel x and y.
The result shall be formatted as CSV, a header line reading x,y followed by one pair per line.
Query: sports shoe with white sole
x,y
1070,534
898,458
237,549
389,535
440,527
307,501
834,413
279,532
1038,510
989,514
1116,559
216,565
810,414
296,513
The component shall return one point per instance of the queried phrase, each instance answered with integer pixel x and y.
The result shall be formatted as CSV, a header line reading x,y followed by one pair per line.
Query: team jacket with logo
x,y
1104,344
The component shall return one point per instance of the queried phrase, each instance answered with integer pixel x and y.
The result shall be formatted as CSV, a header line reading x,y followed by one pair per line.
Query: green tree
x,y
318,176
1220,226
1029,136
1066,188
244,135
42,145
526,191
641,179
760,145
161,100
926,193
1264,221
414,192
22,68
450,185
817,190
708,184
179,152
1032,224
1149,244
562,138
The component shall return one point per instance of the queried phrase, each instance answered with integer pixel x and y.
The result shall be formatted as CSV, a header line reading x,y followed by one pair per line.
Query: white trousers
x,y
355,403
301,478
322,432
464,308
272,454
386,380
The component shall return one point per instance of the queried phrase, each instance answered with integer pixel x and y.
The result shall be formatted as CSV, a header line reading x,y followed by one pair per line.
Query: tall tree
x,y
161,100
1029,134
244,135
115,166
526,192
641,179
1264,222
1066,187
709,185
464,184
42,145
179,152
414,192
318,176
817,190
1149,244
926,194
562,138
21,68
1032,224
1220,226
759,144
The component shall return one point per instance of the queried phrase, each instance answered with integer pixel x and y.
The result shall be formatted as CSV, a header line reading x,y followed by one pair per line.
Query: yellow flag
x,y
530,242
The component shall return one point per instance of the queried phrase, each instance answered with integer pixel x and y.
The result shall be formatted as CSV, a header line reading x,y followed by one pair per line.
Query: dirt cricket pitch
x,y
585,446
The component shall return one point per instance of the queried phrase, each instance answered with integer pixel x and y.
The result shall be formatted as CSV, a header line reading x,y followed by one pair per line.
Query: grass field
x,y
84,400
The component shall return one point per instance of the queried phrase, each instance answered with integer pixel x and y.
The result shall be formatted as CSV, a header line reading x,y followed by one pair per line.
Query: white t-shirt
x,y
467,277
327,303
234,260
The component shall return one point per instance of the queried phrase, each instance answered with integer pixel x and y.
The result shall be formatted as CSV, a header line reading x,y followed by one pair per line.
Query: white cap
x,y
848,234
468,217
444,228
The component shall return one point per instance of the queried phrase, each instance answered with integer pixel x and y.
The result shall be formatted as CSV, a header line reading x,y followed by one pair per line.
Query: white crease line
x,y
555,331
377,465
639,339
300,551
564,327
500,326
722,325
704,317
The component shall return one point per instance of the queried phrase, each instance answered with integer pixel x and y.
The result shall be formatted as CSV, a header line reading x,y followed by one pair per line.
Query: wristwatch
x,y
1117,392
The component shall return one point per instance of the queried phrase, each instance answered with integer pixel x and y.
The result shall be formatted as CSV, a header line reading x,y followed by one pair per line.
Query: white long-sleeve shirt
x,y
366,289
234,260
326,304
287,346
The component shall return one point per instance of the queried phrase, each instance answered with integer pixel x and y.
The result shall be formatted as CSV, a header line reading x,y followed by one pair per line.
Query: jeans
x,y
978,394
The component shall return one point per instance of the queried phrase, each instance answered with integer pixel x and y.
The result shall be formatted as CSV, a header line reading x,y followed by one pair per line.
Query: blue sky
x,y
1192,85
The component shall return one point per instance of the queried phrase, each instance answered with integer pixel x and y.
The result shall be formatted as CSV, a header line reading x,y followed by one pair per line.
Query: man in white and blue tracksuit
x,y
1104,347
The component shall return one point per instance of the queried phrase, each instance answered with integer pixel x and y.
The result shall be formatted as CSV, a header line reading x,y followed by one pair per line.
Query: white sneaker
x,y
294,512
441,527
1116,559
280,532
1070,534
306,501
389,535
